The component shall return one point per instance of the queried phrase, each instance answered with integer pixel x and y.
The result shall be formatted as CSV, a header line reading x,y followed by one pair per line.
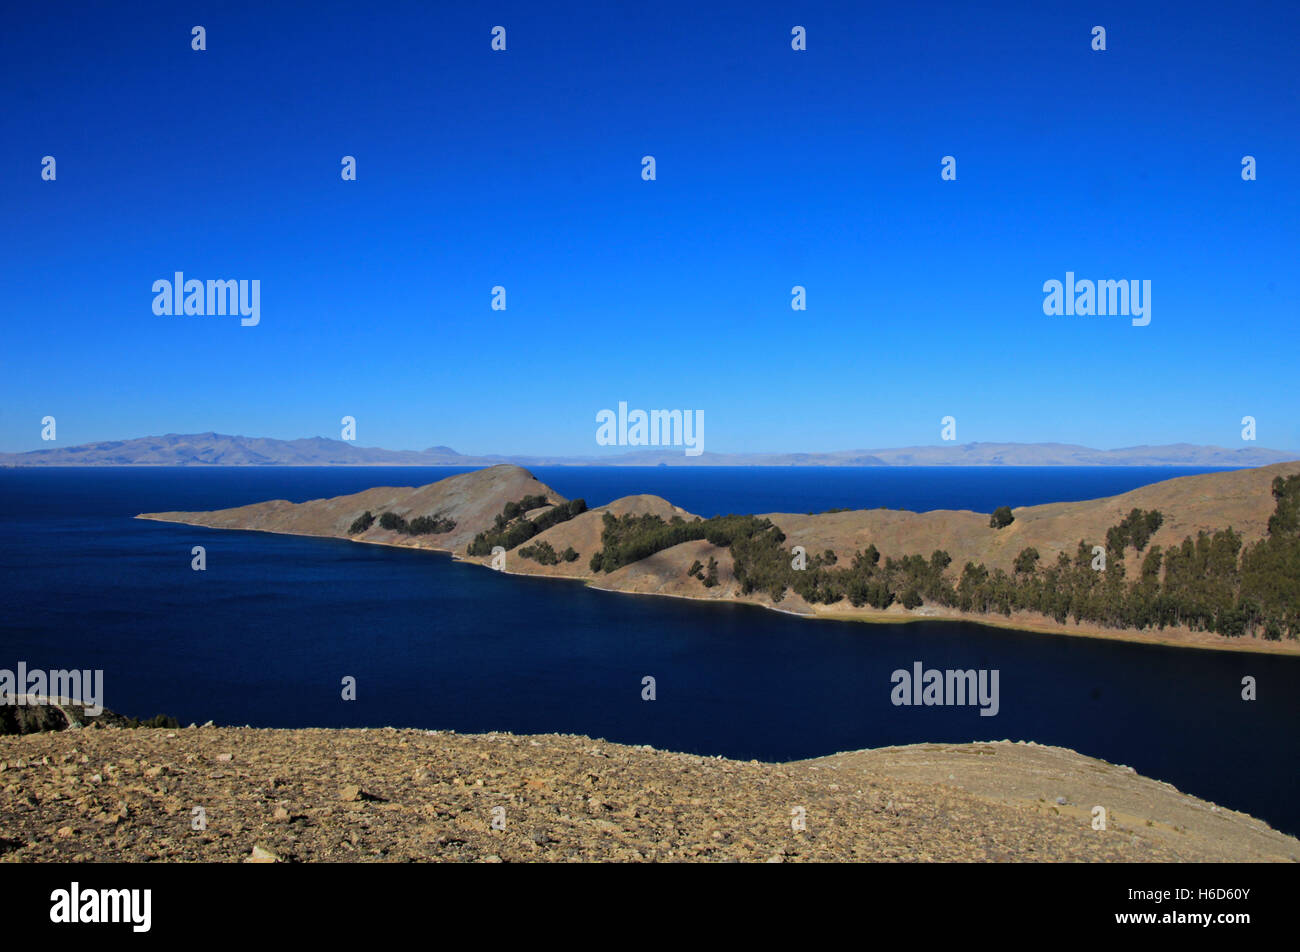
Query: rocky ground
x,y
118,794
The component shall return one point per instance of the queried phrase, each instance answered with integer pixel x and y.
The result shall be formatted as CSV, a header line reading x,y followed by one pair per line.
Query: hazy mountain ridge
x,y
216,449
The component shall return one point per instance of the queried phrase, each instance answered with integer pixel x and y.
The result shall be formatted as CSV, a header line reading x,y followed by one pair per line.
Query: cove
x,y
266,635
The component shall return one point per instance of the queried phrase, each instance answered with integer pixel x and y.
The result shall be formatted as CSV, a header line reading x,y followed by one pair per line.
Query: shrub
x,y
1026,561
542,552
711,573
512,527
431,525
420,525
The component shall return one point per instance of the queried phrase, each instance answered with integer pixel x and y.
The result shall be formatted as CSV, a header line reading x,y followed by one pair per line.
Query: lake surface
x,y
266,634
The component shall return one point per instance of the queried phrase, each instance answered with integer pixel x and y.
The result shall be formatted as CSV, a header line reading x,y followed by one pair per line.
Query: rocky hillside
x,y
1240,499
402,795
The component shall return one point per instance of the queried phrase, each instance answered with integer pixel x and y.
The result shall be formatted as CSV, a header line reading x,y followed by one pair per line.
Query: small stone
x,y
66,831
225,758
350,793
281,815
260,855
1060,801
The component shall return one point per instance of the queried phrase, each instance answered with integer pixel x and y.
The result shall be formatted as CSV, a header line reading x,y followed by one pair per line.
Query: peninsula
x,y
1210,561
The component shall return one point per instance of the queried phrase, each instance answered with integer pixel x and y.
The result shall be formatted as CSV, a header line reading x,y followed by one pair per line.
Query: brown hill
x,y
471,499
1240,499
582,533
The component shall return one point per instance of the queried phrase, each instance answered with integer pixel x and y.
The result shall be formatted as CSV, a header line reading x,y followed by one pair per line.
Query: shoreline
x,y
861,616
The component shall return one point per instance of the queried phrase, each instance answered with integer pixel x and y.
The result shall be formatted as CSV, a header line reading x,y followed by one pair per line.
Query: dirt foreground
x,y
115,794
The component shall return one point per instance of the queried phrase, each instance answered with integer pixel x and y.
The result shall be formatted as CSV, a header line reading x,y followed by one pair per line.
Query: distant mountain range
x,y
216,449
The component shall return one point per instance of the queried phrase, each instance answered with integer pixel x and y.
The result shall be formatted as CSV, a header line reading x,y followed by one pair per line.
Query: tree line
x,y
1206,583
420,525
631,538
544,553
511,527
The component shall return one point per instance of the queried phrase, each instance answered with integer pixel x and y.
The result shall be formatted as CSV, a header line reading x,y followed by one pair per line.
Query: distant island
x,y
1207,561
216,449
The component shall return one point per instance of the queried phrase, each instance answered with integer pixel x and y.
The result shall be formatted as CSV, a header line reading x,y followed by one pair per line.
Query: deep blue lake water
x,y
266,634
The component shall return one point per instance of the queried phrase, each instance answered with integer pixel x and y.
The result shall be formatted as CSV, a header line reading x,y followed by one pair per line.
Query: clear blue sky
x,y
775,168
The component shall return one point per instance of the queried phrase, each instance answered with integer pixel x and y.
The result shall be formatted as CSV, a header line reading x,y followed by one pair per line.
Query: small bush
x,y
711,573
542,552
420,525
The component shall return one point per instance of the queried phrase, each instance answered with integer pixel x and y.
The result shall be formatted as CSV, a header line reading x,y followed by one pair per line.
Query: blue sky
x,y
775,168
